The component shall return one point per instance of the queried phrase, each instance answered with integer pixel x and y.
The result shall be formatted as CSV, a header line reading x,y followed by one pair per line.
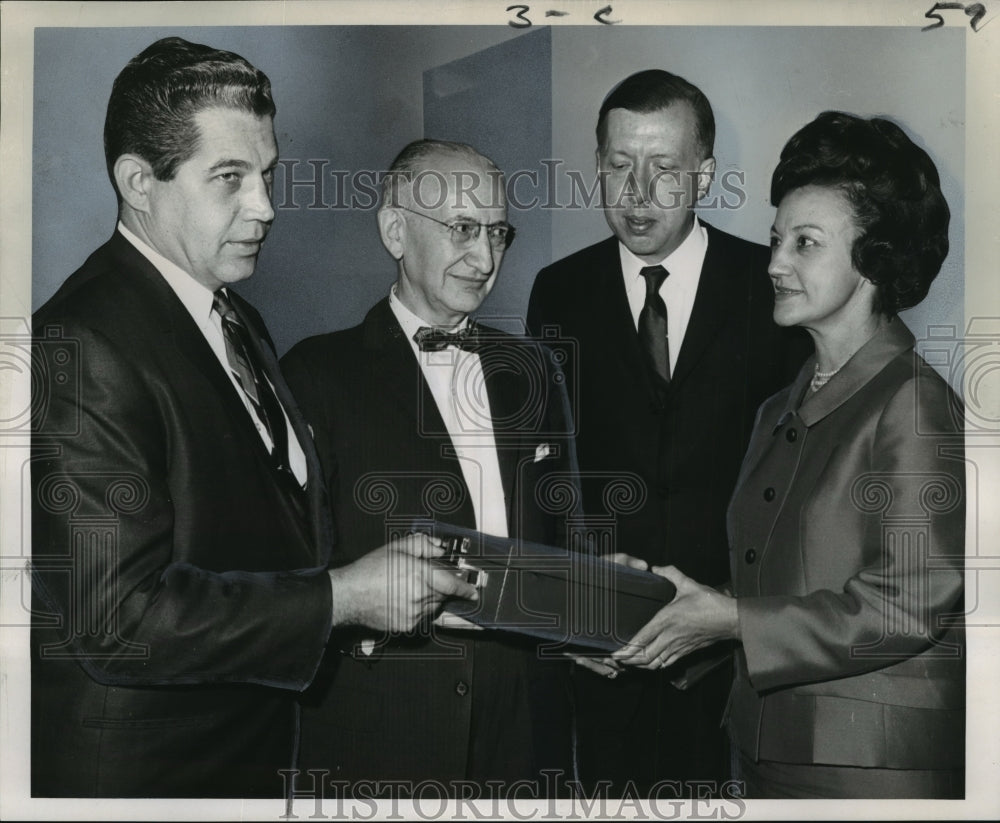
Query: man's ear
x,y
392,230
706,171
134,178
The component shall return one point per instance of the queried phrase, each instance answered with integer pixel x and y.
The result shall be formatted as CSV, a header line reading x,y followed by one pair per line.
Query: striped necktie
x,y
251,378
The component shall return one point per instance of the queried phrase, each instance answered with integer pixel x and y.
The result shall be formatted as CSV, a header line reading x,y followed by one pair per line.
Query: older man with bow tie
x,y
420,412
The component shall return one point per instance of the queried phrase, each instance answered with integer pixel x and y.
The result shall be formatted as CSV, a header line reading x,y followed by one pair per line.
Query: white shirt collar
x,y
410,322
467,417
197,299
678,290
683,263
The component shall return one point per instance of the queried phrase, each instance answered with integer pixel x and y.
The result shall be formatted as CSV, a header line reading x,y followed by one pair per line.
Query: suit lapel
x,y
508,386
395,367
711,307
713,303
164,311
320,522
168,315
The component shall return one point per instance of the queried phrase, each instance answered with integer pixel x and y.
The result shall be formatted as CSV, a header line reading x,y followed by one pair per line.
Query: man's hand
x,y
447,620
623,559
697,616
396,586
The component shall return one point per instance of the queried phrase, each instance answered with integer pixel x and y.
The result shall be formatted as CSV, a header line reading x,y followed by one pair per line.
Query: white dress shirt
x,y
456,381
678,290
197,299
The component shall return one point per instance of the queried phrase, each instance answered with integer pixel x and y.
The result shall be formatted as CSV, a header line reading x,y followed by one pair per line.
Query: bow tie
x,y
430,338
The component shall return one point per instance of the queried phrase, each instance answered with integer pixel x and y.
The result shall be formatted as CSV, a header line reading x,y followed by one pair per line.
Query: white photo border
x,y
18,21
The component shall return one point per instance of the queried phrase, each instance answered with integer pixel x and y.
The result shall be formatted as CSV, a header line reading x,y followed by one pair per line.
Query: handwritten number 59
x,y
976,11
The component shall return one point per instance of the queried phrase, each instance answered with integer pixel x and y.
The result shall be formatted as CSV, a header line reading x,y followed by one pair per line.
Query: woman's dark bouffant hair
x,y
894,190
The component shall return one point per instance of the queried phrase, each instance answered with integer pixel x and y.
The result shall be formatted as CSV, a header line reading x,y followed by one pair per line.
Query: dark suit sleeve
x,y
105,523
561,423
541,307
896,596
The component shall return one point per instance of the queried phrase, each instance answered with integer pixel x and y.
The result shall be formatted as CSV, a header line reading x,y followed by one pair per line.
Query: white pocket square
x,y
543,451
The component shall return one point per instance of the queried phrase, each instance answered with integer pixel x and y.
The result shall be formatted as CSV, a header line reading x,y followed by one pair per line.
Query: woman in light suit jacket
x,y
847,524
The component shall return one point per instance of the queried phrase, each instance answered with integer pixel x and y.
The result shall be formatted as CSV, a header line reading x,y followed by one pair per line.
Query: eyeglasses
x,y
466,232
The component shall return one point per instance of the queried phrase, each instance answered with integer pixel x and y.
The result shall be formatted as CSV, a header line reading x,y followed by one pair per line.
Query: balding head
x,y
426,171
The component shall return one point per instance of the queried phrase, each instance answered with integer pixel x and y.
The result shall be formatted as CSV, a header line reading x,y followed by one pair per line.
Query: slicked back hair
x,y
655,89
156,96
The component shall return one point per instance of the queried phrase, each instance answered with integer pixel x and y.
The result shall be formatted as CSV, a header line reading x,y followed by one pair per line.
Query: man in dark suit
x,y
180,540
419,413
674,351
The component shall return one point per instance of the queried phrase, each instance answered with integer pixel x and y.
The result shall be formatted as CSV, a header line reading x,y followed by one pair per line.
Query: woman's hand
x,y
697,616
604,666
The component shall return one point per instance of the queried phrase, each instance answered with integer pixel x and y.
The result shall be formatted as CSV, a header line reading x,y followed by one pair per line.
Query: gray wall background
x,y
353,96
465,100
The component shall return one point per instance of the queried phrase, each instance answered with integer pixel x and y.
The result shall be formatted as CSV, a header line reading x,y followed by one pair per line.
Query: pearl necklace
x,y
821,378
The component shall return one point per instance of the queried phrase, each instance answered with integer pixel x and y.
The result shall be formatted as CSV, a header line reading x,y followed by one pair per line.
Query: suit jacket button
x,y
791,435
769,494
750,556
461,688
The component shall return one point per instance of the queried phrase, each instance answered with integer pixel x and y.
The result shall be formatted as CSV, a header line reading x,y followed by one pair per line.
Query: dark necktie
x,y
250,376
430,338
653,324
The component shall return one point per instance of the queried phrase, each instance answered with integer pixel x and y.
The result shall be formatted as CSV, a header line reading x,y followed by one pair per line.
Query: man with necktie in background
x,y
179,520
419,412
674,351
